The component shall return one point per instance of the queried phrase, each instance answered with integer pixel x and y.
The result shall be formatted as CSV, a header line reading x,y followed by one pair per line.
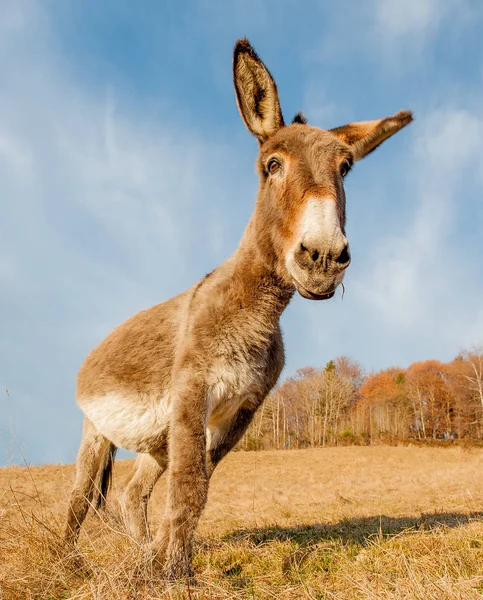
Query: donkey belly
x,y
132,421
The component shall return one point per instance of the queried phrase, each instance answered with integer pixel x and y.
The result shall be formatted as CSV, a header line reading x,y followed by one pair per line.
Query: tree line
x,y
339,404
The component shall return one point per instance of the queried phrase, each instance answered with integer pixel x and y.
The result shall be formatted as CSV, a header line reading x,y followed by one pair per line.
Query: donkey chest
x,y
231,383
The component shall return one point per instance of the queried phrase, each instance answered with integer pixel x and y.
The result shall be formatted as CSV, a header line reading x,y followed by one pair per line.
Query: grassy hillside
x,y
346,523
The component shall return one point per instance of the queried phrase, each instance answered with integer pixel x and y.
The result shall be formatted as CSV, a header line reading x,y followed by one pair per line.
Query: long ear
x,y
366,136
256,92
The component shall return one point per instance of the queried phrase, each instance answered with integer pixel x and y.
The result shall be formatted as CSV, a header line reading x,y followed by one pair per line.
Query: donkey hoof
x,y
155,557
80,565
180,571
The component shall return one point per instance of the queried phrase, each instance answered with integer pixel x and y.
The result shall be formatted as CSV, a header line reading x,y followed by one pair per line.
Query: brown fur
x,y
205,360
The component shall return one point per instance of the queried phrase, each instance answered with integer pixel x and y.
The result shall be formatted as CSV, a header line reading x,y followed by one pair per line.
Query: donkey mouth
x,y
305,293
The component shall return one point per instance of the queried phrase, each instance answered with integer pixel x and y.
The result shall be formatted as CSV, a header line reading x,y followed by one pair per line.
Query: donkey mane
x,y
300,118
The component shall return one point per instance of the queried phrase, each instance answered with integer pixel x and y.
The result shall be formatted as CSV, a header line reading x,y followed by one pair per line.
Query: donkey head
x,y
300,213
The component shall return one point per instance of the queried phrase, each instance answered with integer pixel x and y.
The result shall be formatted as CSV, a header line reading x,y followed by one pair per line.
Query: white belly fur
x,y
130,421
139,423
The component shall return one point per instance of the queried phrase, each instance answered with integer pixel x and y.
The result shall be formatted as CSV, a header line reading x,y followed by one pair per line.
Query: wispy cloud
x,y
398,19
104,212
415,290
109,205
414,286
420,277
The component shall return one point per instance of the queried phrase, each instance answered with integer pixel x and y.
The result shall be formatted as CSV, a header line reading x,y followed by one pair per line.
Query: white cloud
x,y
104,212
419,290
396,18
408,28
414,293
395,35
73,161
320,110
107,209
413,290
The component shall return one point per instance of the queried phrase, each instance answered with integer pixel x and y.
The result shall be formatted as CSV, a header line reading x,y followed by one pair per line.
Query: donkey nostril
x,y
344,256
315,255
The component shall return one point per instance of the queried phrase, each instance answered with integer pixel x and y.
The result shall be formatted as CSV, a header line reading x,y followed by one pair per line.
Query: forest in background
x,y
339,404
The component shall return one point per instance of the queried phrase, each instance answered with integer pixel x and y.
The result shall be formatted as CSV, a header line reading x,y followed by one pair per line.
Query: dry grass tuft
x,y
347,523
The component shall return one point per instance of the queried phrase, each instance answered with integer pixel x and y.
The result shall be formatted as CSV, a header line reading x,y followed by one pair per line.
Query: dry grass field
x,y
349,523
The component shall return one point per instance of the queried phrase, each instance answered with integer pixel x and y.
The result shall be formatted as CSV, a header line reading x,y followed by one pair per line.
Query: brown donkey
x,y
180,382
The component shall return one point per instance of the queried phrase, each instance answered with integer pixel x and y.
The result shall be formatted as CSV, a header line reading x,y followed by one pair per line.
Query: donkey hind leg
x,y
91,453
134,502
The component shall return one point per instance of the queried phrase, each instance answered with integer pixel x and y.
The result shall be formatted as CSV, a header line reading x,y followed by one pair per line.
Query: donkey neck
x,y
256,283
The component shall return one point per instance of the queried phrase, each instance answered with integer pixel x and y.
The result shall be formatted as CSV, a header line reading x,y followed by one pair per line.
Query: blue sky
x,y
126,174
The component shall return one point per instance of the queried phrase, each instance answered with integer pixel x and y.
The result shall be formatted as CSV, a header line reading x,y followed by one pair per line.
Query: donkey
x,y
180,382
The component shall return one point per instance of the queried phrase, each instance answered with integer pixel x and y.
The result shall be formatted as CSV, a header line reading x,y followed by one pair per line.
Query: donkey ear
x,y
256,92
364,137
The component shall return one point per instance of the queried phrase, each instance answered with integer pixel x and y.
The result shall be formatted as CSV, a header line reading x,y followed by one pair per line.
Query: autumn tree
x,y
467,384
326,405
383,406
431,398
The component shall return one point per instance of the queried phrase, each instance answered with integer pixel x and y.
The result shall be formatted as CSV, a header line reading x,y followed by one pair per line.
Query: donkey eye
x,y
345,168
273,166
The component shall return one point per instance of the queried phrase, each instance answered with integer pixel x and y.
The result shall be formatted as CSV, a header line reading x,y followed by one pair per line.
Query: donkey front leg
x,y
187,482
